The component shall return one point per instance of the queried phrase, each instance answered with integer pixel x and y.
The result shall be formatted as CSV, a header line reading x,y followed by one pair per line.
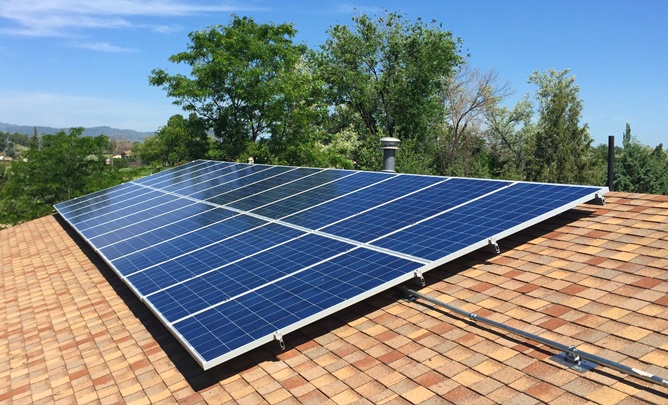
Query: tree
x,y
36,140
118,146
153,151
510,133
68,165
241,82
183,139
660,163
639,168
561,145
388,73
468,98
10,150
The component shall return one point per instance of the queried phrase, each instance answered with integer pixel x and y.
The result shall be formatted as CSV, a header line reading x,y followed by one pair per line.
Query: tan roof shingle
x,y
594,277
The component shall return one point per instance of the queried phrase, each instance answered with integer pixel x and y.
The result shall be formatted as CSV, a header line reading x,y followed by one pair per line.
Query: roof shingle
x,y
594,277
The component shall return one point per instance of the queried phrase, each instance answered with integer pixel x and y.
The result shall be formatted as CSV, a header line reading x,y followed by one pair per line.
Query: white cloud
x,y
358,9
54,18
101,47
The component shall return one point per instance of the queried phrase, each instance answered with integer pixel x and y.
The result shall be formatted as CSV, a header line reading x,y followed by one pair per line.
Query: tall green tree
x,y
510,134
641,169
561,148
152,151
35,140
241,82
67,166
388,73
296,137
184,139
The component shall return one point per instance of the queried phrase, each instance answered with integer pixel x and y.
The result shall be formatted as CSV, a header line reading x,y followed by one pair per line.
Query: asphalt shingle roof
x,y
594,277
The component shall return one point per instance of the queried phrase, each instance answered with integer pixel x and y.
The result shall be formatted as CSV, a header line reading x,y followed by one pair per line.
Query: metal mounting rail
x,y
572,353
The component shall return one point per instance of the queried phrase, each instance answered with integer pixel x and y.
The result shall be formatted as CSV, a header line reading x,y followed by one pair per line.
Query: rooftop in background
x,y
594,277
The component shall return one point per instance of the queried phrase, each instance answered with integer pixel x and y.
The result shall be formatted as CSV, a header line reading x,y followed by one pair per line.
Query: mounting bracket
x,y
493,246
573,360
418,274
599,199
279,336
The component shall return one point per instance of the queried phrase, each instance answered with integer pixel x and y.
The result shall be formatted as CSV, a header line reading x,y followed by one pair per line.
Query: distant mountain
x,y
112,133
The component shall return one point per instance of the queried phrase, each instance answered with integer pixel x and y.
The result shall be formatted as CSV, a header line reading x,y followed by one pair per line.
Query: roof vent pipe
x,y
389,147
611,162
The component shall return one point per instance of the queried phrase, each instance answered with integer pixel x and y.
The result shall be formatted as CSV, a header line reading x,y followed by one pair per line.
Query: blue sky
x,y
68,63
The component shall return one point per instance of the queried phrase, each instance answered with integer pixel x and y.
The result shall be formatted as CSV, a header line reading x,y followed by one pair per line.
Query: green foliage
x,y
244,83
294,138
640,169
67,166
10,150
181,140
15,139
561,147
153,151
599,165
510,135
35,141
12,144
388,72
119,163
263,97
340,149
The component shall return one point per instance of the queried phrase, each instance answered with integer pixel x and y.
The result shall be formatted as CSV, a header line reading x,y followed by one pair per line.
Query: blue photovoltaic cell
x,y
98,214
153,210
197,215
405,211
187,179
228,254
235,323
103,204
70,207
320,194
176,174
94,226
480,219
217,178
232,181
361,200
200,261
290,189
260,183
172,250
237,278
240,178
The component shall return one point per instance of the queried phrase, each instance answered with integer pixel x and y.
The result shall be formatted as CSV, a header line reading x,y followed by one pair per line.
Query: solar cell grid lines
x,y
230,256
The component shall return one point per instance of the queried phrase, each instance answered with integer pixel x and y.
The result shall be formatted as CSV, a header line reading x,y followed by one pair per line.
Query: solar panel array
x,y
231,256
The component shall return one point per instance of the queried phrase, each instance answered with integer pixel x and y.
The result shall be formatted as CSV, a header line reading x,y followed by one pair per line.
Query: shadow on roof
x,y
199,379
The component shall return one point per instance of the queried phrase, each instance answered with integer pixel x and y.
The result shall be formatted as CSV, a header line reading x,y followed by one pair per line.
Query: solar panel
x,y
230,256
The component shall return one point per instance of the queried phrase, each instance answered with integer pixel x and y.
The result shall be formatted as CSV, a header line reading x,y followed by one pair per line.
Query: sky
x,y
69,63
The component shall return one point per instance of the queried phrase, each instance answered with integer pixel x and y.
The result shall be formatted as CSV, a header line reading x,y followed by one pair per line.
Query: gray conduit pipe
x,y
574,354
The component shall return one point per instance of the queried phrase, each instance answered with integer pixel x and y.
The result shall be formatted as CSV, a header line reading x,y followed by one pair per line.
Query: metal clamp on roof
x,y
599,198
278,335
572,357
418,274
493,246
